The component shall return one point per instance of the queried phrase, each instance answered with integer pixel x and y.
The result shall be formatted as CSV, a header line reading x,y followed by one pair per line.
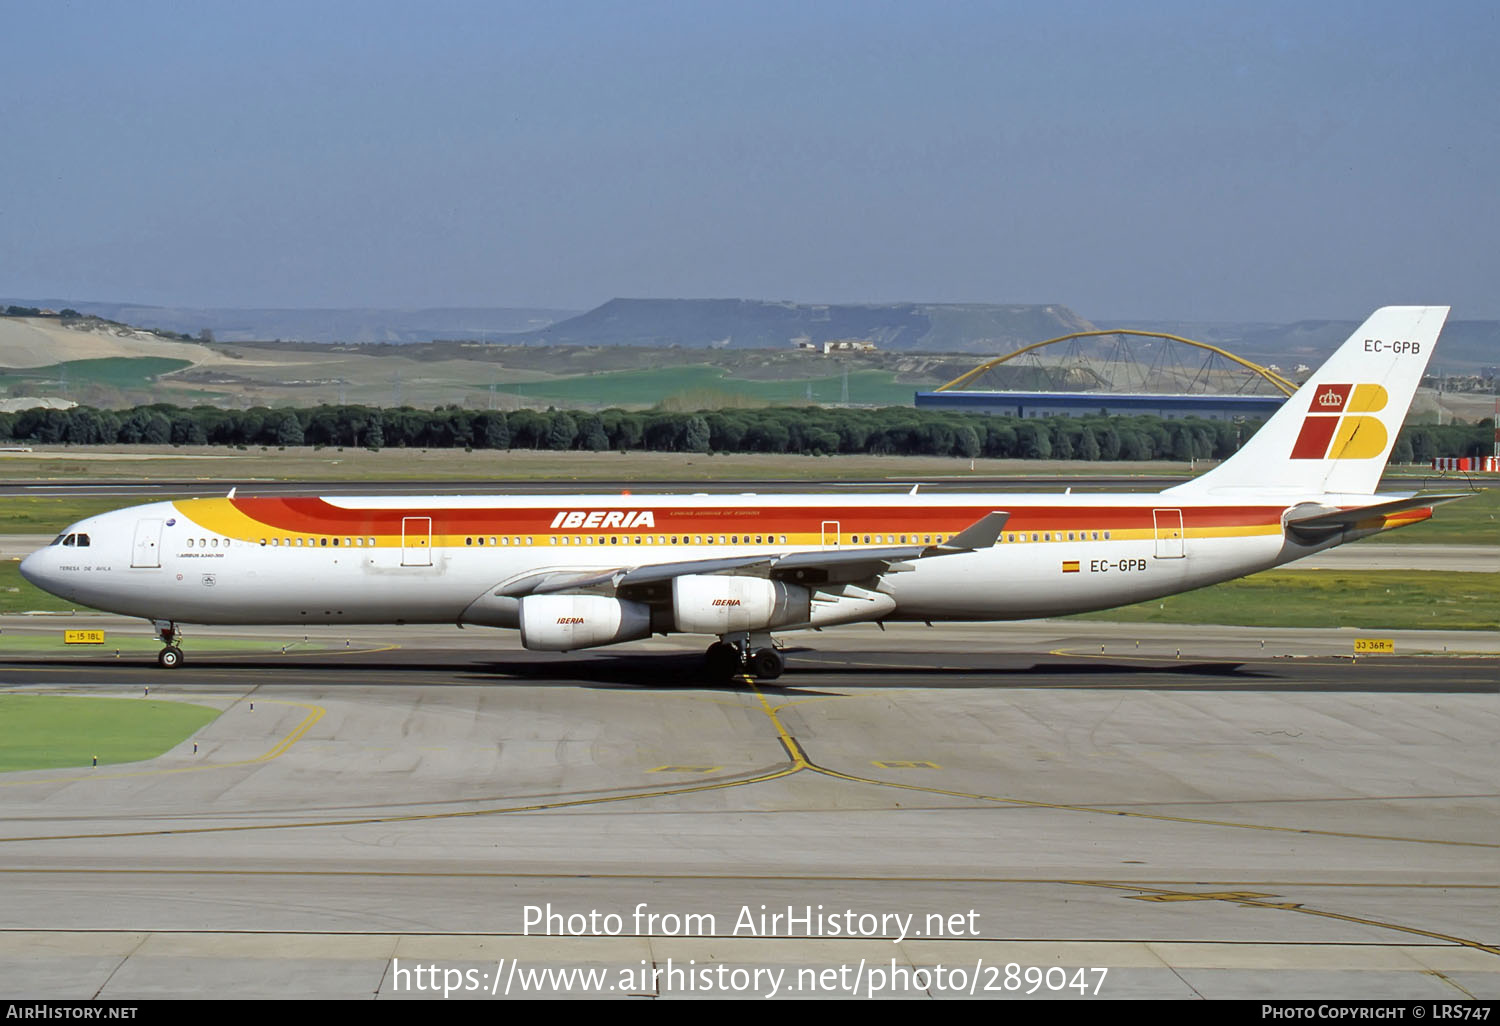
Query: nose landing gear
x,y
170,657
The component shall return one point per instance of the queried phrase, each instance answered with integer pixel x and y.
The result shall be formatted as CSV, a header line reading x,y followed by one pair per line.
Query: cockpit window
x,y
59,539
71,539
83,541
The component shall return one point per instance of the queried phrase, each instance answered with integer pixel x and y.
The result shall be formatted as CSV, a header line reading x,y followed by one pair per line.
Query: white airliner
x,y
578,571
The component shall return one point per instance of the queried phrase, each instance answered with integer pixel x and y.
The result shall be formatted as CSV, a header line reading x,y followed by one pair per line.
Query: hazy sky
x,y
1194,160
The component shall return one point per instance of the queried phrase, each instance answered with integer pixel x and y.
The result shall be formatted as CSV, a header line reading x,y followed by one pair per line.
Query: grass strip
x,y
50,732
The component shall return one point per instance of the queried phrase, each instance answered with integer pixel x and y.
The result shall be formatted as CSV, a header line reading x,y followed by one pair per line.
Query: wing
x,y
652,581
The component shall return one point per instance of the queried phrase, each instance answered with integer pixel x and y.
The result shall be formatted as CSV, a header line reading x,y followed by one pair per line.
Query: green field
x,y
1471,521
229,466
51,644
18,595
649,387
116,371
46,515
49,732
1367,599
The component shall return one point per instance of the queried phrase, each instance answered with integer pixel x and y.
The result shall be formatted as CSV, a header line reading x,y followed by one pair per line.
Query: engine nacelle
x,y
715,604
561,623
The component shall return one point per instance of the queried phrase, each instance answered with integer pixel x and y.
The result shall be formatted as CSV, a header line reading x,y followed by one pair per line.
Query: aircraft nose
x,y
33,569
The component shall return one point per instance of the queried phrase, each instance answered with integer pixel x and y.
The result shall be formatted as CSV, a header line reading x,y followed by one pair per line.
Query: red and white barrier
x,y
1468,464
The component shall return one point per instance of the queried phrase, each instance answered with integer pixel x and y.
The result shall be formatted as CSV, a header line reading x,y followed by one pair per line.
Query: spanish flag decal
x,y
1070,566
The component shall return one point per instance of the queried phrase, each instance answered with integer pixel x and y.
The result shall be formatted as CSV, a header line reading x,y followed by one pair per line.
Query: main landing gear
x,y
170,657
749,655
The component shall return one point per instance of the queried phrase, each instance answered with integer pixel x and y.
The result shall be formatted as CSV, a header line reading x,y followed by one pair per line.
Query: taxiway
x,y
1203,811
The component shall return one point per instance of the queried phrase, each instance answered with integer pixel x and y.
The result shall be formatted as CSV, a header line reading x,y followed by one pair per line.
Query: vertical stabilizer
x,y
1335,433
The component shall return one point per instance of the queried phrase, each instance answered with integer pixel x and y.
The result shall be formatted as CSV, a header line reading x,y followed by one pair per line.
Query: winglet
x,y
981,534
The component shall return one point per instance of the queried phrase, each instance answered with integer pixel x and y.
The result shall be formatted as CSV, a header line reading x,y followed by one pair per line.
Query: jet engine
x,y
714,604
561,623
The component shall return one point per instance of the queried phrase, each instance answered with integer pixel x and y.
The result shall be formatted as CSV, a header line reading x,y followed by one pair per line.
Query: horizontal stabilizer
x,y
1312,521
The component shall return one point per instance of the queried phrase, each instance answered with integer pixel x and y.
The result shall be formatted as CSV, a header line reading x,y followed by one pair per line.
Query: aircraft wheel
x,y
722,660
766,664
170,657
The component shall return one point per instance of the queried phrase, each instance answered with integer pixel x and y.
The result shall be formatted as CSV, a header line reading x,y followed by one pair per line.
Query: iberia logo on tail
x,y
1335,429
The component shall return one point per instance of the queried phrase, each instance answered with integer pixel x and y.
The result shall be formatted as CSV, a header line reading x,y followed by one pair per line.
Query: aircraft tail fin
x,y
1335,433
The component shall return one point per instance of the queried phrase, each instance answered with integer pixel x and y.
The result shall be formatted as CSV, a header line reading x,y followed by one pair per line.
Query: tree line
x,y
897,431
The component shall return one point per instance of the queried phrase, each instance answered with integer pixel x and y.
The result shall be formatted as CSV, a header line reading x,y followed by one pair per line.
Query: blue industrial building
x,y
1108,404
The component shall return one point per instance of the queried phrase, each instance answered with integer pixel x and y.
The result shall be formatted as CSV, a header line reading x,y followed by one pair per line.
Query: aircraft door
x,y
830,534
416,541
1169,533
146,551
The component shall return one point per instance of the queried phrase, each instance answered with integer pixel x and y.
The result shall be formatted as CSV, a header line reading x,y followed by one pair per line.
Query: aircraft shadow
x,y
808,672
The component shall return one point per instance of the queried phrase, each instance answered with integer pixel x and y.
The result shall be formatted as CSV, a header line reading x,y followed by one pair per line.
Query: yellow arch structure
x,y
1285,386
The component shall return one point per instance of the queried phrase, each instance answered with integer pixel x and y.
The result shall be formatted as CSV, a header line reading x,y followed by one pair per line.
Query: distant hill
x,y
761,324
1466,347
915,328
319,325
